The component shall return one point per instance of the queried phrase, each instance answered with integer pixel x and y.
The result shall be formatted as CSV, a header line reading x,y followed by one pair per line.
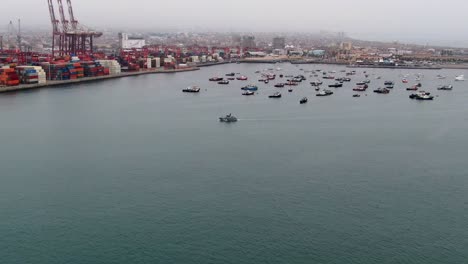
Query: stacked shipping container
x,y
8,77
31,74
112,65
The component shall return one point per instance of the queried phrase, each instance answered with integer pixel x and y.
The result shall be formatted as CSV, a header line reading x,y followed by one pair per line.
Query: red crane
x,y
62,16
73,21
74,40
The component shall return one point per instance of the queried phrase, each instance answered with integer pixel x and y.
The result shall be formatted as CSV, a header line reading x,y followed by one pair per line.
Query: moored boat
x,y
382,91
445,87
216,79
228,119
303,100
275,95
423,96
223,82
250,87
324,93
191,89
335,85
316,83
248,93
362,88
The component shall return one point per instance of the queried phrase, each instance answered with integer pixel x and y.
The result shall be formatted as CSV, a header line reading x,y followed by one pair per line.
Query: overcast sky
x,y
418,21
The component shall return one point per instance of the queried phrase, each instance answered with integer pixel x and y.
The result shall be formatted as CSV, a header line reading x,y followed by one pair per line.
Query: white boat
x,y
191,89
460,78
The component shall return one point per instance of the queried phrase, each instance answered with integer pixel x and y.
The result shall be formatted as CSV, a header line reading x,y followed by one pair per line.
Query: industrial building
x,y
248,42
279,43
127,42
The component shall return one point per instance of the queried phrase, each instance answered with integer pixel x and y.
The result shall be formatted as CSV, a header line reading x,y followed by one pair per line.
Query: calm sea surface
x,y
135,171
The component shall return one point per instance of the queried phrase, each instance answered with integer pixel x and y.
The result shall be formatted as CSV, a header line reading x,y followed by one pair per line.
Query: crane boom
x,y
52,16
62,17
74,22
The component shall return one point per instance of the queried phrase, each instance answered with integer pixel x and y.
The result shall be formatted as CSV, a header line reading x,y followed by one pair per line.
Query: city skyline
x,y
411,22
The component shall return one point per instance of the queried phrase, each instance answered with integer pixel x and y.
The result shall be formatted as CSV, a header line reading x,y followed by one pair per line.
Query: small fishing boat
x,y
324,93
382,91
191,89
445,87
248,93
223,82
275,95
423,96
250,87
228,119
279,85
216,79
303,100
242,78
316,83
360,89
335,85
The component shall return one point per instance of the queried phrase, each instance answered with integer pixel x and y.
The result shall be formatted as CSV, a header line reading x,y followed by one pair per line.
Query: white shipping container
x,y
148,63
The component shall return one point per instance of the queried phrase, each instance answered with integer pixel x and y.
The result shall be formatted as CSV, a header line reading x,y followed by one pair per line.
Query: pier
x,y
4,89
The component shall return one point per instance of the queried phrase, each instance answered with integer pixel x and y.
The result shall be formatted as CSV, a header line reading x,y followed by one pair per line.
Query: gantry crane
x,y
71,38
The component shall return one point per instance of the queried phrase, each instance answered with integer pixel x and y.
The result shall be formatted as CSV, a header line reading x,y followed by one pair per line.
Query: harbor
x,y
136,165
23,87
310,132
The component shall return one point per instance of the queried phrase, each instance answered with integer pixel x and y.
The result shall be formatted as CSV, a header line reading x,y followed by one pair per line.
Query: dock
x,y
21,87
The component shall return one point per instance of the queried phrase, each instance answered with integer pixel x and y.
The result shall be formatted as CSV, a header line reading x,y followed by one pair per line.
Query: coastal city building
x,y
127,42
279,43
248,42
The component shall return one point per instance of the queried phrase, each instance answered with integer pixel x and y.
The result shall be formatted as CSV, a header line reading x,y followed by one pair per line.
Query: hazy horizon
x,y
420,22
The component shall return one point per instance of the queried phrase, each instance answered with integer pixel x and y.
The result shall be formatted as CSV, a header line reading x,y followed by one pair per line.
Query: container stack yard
x,y
72,57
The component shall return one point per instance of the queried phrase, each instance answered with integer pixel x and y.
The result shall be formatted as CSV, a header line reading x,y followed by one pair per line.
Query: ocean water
x,y
135,171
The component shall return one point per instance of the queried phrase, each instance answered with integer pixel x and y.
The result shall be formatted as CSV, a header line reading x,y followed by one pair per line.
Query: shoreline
x,y
392,67
23,87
